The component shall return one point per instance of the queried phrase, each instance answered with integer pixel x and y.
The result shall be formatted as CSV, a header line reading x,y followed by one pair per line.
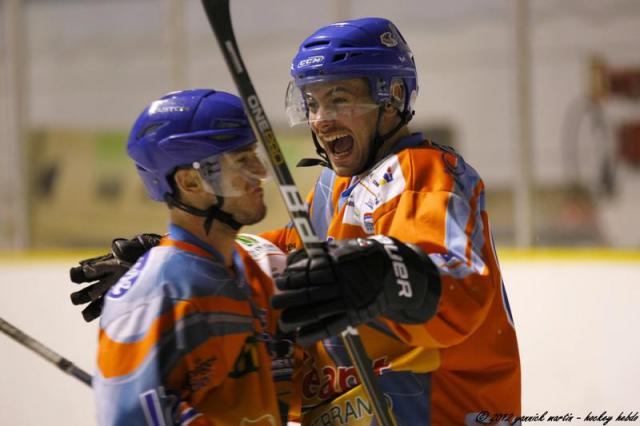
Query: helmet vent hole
x,y
228,124
339,57
221,137
316,43
149,129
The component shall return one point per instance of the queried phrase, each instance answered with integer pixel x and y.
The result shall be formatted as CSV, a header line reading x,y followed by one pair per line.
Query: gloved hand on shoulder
x,y
104,271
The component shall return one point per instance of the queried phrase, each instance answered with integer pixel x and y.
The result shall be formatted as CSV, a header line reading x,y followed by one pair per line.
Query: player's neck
x,y
221,237
388,145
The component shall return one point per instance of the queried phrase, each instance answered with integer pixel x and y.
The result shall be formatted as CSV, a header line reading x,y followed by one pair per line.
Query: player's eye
x,y
312,105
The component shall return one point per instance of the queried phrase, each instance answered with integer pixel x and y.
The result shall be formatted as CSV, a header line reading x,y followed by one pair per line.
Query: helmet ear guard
x,y
397,95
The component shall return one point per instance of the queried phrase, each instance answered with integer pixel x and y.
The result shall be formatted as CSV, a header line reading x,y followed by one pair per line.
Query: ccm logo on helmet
x,y
399,268
311,61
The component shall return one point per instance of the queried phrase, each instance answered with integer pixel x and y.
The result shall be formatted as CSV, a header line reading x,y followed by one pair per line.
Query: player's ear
x,y
188,181
397,98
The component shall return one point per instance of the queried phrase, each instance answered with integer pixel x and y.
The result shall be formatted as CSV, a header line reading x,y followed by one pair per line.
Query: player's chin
x,y
346,168
348,164
255,214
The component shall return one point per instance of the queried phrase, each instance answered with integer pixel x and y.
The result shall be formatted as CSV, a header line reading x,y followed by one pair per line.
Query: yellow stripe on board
x,y
581,254
508,254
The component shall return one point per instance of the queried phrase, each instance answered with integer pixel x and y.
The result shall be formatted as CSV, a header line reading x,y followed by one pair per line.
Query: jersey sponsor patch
x,y
266,254
384,183
367,221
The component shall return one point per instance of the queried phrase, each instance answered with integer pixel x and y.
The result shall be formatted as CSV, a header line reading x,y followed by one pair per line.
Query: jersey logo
x,y
367,221
330,380
247,240
128,280
381,186
386,178
247,362
199,375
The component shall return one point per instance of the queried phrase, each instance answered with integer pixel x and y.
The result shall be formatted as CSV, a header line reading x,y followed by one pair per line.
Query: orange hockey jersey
x,y
460,367
184,341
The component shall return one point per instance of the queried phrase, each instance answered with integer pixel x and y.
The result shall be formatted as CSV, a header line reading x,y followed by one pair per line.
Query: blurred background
x,y
542,97
543,101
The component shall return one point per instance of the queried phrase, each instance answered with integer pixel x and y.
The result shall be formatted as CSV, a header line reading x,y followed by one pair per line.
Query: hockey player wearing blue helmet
x,y
184,334
355,84
411,261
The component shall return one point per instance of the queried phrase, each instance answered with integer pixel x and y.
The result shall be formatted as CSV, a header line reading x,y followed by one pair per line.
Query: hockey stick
x,y
46,353
220,19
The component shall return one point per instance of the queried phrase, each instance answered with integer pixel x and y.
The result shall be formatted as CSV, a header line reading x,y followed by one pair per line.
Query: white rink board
x,y
576,322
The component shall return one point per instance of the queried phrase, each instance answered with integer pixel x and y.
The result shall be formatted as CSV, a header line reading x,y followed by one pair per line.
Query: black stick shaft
x,y
46,353
219,17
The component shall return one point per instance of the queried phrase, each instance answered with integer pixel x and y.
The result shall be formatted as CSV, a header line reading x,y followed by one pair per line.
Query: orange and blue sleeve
x,y
446,218
161,367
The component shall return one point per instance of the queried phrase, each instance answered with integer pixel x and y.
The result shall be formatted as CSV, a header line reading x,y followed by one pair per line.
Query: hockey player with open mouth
x,y
410,259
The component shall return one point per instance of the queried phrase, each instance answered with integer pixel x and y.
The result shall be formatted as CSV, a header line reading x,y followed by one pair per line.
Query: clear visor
x,y
235,173
324,102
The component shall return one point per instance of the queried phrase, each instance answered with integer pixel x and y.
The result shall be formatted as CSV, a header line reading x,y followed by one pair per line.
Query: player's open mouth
x,y
339,145
257,189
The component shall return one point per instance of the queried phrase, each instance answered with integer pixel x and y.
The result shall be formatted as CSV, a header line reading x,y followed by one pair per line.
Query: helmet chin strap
x,y
376,144
213,212
322,161
379,140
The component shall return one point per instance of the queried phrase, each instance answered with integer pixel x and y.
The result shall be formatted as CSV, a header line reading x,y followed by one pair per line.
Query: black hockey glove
x,y
357,281
106,271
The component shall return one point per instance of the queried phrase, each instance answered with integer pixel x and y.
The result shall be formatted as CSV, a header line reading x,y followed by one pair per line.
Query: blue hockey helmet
x,y
370,48
182,128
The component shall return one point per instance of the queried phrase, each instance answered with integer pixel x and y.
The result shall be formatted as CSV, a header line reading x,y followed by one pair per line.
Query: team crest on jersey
x,y
128,280
367,222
